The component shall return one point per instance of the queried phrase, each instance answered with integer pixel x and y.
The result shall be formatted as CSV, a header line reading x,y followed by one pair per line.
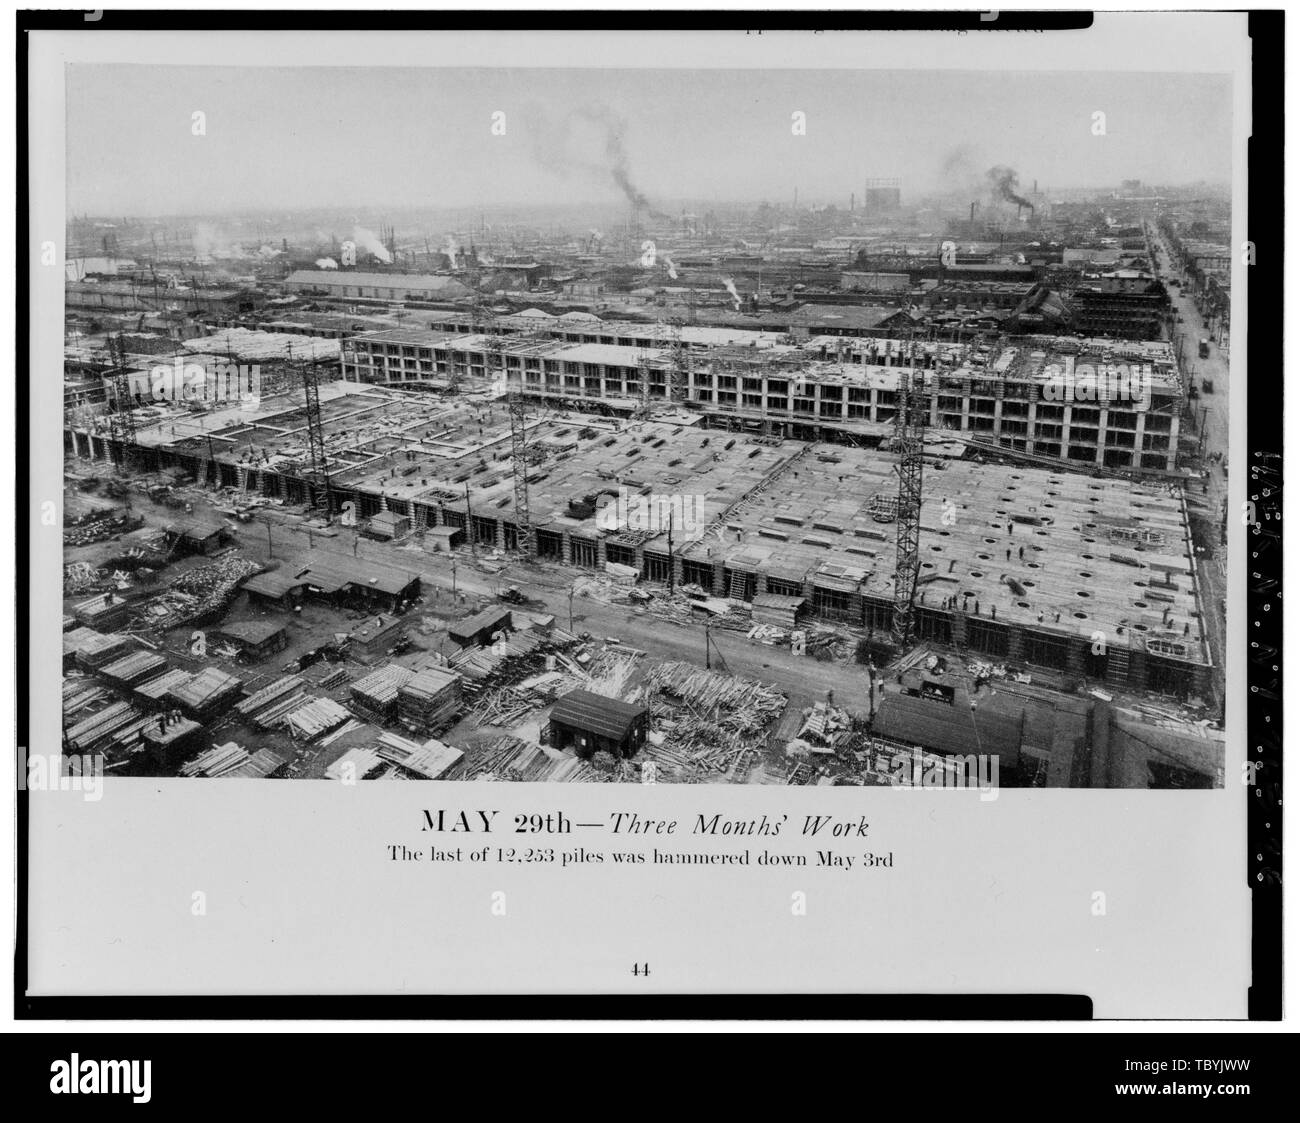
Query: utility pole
x,y
570,608
708,664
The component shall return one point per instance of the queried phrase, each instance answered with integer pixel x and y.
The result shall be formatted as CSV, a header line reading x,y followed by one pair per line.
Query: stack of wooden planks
x,y
220,760
429,700
375,695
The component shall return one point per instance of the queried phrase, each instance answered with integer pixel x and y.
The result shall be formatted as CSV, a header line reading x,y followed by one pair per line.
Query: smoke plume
x,y
366,240
589,142
1004,181
731,288
326,263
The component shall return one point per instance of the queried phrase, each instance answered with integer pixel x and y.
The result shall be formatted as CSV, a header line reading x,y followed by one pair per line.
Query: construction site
x,y
345,578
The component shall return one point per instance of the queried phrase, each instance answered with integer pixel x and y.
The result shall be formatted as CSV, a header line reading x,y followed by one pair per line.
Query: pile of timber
x,y
91,649
261,763
432,760
269,697
151,694
315,717
220,760
375,695
525,761
115,726
207,694
133,669
80,694
204,593
507,662
429,700
742,703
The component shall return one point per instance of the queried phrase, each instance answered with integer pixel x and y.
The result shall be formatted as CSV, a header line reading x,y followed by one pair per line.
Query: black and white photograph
x,y
588,446
776,481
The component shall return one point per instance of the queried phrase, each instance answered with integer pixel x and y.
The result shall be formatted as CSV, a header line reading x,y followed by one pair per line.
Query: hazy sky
x,y
314,137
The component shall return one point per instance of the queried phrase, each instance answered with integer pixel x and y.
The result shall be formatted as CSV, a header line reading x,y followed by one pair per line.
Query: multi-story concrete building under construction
x,y
1103,403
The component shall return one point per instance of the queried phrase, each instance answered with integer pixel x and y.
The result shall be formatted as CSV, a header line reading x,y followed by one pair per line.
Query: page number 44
x,y
641,969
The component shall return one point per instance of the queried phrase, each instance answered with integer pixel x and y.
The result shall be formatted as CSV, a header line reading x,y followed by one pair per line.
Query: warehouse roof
x,y
251,631
488,618
330,278
605,717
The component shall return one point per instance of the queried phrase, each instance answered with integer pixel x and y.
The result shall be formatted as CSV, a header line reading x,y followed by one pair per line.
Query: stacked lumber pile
x,y
133,669
152,693
261,701
314,718
80,694
207,694
220,760
432,760
117,725
357,763
262,763
429,700
92,649
484,667
375,695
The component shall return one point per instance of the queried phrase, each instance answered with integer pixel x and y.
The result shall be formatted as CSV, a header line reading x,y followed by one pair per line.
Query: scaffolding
x,y
318,479
909,444
121,416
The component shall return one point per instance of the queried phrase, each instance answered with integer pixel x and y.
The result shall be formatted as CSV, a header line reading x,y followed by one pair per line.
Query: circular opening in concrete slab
x,y
991,541
1029,584
984,557
1139,604
937,549
1033,565
976,573
927,565
1041,533
1083,593
1139,627
1081,616
1084,573
1086,557
1022,604
1090,540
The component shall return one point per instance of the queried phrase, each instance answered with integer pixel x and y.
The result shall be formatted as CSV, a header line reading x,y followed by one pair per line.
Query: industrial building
x,y
1029,563
1027,394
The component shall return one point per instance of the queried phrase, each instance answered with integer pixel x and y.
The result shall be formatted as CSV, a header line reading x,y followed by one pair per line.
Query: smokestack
x,y
972,211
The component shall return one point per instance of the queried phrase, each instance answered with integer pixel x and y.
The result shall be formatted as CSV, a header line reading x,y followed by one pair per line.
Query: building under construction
x,y
1087,576
1093,403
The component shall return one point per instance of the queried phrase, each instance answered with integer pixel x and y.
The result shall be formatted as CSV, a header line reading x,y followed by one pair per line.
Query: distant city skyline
x,y
317,138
